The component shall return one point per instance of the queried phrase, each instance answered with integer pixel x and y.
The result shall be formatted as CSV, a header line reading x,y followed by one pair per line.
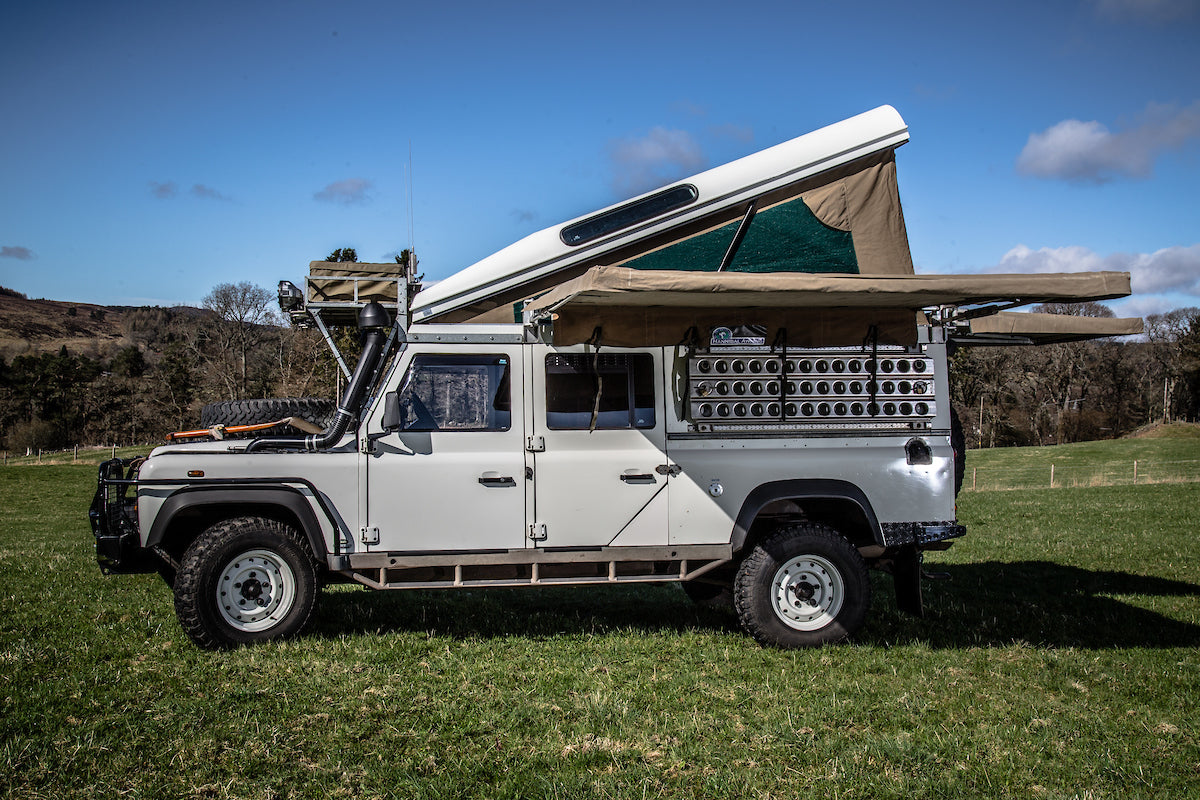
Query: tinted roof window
x,y
629,214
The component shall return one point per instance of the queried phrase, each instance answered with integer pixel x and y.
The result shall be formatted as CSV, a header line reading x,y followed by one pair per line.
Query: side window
x,y
456,393
616,388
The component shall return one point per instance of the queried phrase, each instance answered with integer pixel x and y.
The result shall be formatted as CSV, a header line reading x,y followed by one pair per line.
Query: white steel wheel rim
x,y
255,590
807,592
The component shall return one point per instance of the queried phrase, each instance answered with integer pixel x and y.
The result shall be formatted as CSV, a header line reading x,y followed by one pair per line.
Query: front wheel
x,y
245,580
803,586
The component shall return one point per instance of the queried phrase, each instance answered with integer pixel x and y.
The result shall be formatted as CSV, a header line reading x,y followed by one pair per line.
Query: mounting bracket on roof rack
x,y
335,292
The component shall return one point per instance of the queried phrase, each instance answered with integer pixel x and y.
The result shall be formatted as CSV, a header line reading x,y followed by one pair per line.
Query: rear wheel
x,y
803,586
245,580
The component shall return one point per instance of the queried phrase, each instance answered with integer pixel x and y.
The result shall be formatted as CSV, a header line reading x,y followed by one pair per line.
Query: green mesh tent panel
x,y
786,238
697,254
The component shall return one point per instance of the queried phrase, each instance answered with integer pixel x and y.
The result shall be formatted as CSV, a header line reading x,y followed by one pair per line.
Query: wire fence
x,y
1052,475
92,454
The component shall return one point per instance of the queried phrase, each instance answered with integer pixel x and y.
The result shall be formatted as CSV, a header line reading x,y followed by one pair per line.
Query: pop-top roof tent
x,y
823,202
806,238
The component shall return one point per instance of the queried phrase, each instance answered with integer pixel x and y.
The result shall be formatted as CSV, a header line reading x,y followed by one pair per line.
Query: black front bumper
x,y
113,516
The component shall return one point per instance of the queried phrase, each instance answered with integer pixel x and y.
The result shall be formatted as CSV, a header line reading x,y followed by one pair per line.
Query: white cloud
x,y
689,108
658,158
351,191
164,191
1170,270
1146,10
1143,305
738,133
17,252
1088,152
207,192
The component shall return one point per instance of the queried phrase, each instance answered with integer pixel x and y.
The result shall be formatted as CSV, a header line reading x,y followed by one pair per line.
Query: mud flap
x,y
906,572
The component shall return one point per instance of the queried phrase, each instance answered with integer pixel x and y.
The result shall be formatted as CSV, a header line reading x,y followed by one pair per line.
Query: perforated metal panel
x,y
830,388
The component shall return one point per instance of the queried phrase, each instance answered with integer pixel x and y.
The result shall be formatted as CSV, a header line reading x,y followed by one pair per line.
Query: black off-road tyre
x,y
803,586
243,581
958,443
317,410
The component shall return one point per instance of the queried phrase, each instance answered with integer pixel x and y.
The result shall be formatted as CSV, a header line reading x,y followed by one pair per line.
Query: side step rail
x,y
606,565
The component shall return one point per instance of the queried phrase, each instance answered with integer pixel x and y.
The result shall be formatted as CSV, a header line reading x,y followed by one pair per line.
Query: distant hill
x,y
42,326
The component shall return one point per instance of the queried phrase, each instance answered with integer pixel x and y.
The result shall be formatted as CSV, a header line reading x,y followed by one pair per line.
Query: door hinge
x,y
668,469
369,535
537,532
535,444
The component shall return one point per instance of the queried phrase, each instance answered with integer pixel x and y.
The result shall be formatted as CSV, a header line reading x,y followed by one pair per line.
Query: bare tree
x,y
1171,332
242,311
1088,308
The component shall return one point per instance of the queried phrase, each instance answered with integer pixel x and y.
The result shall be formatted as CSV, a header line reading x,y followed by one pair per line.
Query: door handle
x,y
497,480
638,477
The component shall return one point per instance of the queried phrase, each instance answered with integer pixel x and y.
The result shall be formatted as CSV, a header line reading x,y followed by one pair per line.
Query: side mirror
x,y
391,411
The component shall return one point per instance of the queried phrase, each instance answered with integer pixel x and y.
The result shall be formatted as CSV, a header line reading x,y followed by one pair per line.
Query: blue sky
x,y
151,150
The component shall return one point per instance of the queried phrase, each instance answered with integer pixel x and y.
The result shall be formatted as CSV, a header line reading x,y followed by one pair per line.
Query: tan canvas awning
x,y
1048,328
656,307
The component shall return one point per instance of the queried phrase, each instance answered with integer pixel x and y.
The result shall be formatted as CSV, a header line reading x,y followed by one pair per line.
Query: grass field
x,y
1164,454
1058,660
84,455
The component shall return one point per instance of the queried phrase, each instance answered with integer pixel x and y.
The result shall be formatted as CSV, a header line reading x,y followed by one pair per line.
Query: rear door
x,y
597,436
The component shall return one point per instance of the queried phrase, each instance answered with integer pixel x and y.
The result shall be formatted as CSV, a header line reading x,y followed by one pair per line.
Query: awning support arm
x,y
985,311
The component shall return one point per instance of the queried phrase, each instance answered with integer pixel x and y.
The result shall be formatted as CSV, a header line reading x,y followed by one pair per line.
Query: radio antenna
x,y
411,243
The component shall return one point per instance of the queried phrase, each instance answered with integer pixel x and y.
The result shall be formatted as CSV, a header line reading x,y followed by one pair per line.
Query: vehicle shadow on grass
x,y
979,605
997,603
530,613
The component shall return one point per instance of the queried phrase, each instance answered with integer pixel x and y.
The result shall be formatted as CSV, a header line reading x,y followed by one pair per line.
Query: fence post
x,y
114,455
974,471
1052,476
75,456
1135,472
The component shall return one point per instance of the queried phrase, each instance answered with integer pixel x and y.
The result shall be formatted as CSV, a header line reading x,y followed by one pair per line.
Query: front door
x,y
453,477
598,440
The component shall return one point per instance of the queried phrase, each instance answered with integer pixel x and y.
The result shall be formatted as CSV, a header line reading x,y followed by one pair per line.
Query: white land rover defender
x,y
736,382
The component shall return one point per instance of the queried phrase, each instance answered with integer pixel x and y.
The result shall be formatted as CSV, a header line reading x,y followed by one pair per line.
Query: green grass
x,y
1172,455
1059,660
